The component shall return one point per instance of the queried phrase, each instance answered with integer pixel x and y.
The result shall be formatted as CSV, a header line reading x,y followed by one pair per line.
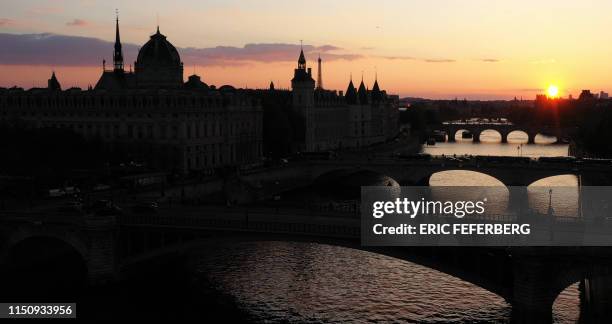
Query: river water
x,y
314,283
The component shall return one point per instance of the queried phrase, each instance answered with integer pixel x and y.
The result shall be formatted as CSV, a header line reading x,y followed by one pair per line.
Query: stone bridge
x,y
530,279
504,129
510,172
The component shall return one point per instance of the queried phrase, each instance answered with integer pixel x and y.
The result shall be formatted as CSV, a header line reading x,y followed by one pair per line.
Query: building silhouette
x,y
183,126
334,120
192,126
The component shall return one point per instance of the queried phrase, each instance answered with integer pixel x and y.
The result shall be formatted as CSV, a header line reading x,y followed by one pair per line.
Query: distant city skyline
x,y
475,49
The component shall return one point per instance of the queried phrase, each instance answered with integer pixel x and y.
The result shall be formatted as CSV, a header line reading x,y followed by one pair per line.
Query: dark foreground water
x,y
289,282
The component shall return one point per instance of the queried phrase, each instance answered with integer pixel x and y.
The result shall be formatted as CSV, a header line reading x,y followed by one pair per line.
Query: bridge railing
x,y
252,222
42,217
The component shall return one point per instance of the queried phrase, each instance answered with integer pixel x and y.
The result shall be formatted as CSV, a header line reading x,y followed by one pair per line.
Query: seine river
x,y
313,283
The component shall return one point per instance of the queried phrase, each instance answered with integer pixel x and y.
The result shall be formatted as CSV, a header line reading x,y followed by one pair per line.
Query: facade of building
x,y
188,126
334,120
183,126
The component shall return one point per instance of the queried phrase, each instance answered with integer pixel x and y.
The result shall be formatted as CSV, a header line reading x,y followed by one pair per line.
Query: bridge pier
x,y
518,200
531,138
533,290
101,260
504,138
596,298
476,137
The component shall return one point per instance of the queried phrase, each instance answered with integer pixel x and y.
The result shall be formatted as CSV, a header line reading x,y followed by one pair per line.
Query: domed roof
x,y
158,50
227,88
195,83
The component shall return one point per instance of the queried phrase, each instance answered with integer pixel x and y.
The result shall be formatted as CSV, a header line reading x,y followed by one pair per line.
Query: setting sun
x,y
552,91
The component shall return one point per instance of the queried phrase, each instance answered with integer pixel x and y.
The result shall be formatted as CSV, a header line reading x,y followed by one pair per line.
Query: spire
x,y
53,84
157,21
351,94
376,93
320,76
302,59
118,54
376,87
362,92
271,85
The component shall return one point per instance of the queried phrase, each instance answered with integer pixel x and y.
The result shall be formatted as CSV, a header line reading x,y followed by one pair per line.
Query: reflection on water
x,y
314,283
490,144
566,308
291,282
563,198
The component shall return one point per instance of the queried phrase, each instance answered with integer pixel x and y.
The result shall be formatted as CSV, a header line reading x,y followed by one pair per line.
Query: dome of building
x,y
158,50
195,83
159,64
227,88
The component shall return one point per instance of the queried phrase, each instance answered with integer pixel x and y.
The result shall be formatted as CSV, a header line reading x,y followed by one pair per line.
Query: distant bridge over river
x,y
503,128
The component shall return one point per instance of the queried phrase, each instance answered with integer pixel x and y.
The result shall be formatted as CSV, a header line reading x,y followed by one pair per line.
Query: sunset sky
x,y
478,49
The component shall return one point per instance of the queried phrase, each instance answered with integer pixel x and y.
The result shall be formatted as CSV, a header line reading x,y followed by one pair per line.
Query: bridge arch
x,y
517,136
545,137
561,192
459,177
578,275
559,180
477,134
567,303
71,240
43,266
456,135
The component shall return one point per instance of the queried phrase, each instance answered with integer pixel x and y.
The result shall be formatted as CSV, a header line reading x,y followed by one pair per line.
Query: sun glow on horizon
x,y
552,91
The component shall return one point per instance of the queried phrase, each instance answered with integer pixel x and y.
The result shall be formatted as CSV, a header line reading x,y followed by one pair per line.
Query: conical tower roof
x,y
351,94
362,93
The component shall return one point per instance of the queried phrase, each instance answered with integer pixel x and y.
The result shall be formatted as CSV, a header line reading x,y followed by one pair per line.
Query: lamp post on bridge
x,y
519,150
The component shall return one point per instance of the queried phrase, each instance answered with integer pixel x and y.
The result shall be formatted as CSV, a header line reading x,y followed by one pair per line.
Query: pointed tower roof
x,y
351,93
117,38
301,74
302,59
271,85
376,93
362,93
118,52
53,84
319,74
376,87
